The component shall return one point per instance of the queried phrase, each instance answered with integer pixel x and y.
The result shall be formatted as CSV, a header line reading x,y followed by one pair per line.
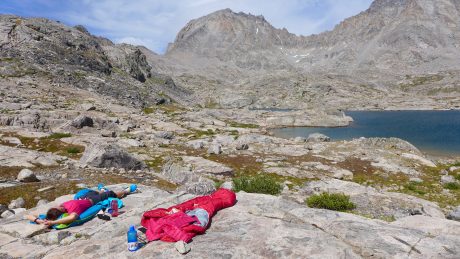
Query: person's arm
x,y
34,218
65,220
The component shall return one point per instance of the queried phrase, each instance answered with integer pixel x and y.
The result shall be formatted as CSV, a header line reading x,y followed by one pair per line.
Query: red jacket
x,y
179,226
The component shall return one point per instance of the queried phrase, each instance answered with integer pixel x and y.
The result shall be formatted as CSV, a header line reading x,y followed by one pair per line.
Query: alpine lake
x,y
433,132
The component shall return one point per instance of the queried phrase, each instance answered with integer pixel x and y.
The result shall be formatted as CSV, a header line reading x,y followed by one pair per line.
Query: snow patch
x,y
257,31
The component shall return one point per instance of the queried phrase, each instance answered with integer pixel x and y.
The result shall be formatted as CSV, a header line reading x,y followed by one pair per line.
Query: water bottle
x,y
132,239
114,208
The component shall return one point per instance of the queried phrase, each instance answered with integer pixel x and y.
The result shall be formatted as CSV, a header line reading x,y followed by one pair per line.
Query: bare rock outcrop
x,y
257,226
110,155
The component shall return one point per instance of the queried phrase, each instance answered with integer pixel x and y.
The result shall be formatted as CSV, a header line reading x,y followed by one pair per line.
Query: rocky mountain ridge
x,y
51,51
395,47
395,55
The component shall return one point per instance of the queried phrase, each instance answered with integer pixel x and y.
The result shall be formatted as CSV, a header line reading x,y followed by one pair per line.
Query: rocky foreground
x,y
258,226
54,141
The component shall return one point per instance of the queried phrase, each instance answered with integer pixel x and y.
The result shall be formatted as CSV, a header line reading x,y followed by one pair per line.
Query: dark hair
x,y
53,214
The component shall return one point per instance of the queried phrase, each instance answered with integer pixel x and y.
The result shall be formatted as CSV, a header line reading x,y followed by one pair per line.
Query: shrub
x,y
257,184
413,187
73,150
331,201
452,186
457,177
59,135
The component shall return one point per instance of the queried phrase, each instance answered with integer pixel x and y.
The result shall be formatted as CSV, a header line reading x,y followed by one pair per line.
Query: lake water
x,y
433,132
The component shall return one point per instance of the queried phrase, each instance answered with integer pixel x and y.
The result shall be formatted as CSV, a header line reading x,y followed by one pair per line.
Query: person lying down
x,y
74,208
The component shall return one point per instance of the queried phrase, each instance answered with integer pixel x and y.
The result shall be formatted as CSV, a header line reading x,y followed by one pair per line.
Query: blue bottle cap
x,y
132,228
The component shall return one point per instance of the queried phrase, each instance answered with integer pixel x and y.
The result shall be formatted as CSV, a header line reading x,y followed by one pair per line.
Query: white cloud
x,y
131,40
156,23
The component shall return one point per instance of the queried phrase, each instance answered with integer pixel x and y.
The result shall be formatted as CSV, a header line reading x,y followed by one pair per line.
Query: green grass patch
x,y
331,201
457,177
202,133
73,150
59,135
218,183
148,110
452,186
243,125
257,184
412,186
51,144
155,163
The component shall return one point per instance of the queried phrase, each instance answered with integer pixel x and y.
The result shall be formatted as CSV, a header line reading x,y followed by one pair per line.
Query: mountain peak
x,y
381,4
222,29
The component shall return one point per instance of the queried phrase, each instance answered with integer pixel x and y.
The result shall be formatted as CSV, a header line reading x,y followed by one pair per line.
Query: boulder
x,y
165,134
3,208
415,180
202,166
242,146
215,149
318,137
7,214
12,141
18,210
300,139
88,107
202,187
82,121
27,176
454,168
108,134
223,140
196,144
177,173
41,202
17,203
110,155
447,179
255,138
455,214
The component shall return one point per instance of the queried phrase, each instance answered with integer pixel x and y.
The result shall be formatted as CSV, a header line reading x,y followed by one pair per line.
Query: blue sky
x,y
155,23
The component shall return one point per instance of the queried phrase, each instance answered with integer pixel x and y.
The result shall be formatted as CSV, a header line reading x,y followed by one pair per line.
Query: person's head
x,y
53,213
